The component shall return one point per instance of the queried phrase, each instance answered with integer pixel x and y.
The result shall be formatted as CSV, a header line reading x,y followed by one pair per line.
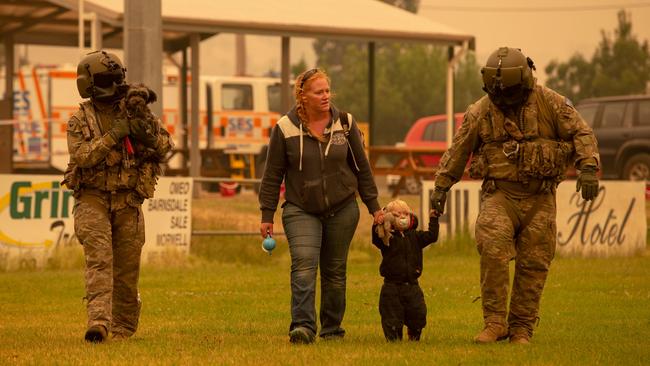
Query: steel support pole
x,y
449,98
7,108
195,157
183,109
371,94
453,58
143,46
285,101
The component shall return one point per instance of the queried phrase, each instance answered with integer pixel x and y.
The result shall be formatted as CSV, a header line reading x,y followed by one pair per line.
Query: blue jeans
x,y
313,240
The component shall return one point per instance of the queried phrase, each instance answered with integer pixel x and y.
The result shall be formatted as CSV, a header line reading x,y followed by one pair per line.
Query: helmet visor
x,y
502,77
107,78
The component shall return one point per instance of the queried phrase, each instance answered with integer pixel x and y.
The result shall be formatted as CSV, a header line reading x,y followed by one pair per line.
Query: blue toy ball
x,y
268,244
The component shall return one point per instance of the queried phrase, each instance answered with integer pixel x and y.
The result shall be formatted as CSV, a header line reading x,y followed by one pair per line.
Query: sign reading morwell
x,y
36,220
613,224
168,219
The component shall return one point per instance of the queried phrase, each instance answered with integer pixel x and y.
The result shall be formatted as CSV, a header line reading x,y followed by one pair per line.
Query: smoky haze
x,y
544,30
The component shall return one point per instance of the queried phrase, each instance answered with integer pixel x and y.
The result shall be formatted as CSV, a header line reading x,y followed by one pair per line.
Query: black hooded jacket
x,y
402,258
320,177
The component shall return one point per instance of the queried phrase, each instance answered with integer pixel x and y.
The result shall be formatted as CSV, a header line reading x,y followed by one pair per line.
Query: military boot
x,y
491,333
119,337
519,336
96,334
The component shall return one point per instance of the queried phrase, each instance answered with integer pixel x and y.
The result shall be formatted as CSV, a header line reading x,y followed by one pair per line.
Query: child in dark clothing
x,y
401,301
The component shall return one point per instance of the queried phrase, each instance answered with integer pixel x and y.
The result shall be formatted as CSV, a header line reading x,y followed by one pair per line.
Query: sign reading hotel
x,y
36,220
613,224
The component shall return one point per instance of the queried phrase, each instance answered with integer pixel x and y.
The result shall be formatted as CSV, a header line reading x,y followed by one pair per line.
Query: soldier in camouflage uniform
x,y
114,165
521,138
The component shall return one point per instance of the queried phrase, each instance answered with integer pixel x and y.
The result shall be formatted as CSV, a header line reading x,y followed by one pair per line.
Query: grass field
x,y
229,304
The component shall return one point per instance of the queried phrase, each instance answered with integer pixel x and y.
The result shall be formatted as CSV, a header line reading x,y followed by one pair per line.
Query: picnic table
x,y
403,161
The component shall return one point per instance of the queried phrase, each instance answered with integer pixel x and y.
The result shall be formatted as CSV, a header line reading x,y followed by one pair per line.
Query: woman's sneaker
x,y
301,335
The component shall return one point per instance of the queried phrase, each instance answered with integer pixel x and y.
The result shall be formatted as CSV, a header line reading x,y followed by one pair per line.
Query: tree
x,y
409,81
619,66
468,84
295,69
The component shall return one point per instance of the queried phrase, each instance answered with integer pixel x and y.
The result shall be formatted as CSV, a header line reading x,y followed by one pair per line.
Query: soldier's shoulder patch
x,y
74,123
568,102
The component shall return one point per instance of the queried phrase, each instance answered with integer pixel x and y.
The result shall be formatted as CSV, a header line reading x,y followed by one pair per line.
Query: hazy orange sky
x,y
543,29
551,29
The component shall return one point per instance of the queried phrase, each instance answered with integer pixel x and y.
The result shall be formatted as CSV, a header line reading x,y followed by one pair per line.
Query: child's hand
x,y
434,213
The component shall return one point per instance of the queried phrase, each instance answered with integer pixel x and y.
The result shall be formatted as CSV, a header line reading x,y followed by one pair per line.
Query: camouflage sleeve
x,y
453,162
572,127
86,151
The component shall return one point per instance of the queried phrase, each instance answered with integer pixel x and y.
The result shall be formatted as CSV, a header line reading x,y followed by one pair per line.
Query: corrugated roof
x,y
53,22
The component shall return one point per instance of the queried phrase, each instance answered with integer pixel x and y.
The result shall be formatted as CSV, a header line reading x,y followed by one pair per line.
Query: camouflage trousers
x,y
111,230
501,238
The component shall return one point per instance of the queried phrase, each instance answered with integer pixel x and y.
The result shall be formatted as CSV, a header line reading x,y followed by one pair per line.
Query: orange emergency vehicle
x,y
232,142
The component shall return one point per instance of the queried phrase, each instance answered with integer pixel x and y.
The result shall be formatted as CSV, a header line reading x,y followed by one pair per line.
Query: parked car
x,y
622,127
429,131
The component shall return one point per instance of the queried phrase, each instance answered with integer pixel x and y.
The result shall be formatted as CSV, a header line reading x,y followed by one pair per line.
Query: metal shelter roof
x,y
54,22
185,22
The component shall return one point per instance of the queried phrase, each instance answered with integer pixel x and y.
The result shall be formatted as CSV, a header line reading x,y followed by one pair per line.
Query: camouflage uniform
x,y
109,187
521,158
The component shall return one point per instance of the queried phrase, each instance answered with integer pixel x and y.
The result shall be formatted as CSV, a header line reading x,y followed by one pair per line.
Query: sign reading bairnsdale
x,y
36,220
613,224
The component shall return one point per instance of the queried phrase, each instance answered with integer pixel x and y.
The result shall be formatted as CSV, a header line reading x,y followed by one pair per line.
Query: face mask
x,y
403,223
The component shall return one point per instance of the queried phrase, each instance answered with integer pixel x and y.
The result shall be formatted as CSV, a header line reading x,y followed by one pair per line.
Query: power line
x,y
536,8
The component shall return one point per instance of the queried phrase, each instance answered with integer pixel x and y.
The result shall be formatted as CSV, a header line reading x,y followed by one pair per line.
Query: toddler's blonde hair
x,y
397,205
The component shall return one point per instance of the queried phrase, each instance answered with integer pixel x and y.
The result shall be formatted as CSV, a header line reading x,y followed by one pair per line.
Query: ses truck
x,y
233,141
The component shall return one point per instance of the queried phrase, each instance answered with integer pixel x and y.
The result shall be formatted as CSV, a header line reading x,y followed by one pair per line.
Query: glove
x,y
119,129
438,199
143,132
587,182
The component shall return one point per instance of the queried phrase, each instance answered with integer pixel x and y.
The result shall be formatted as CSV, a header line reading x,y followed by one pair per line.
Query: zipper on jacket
x,y
405,242
322,170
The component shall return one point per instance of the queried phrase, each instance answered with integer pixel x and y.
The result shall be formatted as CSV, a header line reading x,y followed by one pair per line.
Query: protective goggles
x,y
107,78
498,79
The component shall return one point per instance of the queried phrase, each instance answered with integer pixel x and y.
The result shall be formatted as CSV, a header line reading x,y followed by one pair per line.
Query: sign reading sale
x,y
36,219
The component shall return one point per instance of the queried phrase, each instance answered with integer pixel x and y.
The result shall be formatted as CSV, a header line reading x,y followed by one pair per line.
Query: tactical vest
x,y
522,150
118,171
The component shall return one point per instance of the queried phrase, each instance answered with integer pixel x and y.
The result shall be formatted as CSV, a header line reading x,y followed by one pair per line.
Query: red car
x,y
429,131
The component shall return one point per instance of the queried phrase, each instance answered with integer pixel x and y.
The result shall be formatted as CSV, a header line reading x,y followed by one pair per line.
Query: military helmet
x,y
99,74
508,76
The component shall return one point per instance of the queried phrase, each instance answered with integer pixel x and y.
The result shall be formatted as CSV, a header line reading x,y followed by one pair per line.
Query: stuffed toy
x,y
383,230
